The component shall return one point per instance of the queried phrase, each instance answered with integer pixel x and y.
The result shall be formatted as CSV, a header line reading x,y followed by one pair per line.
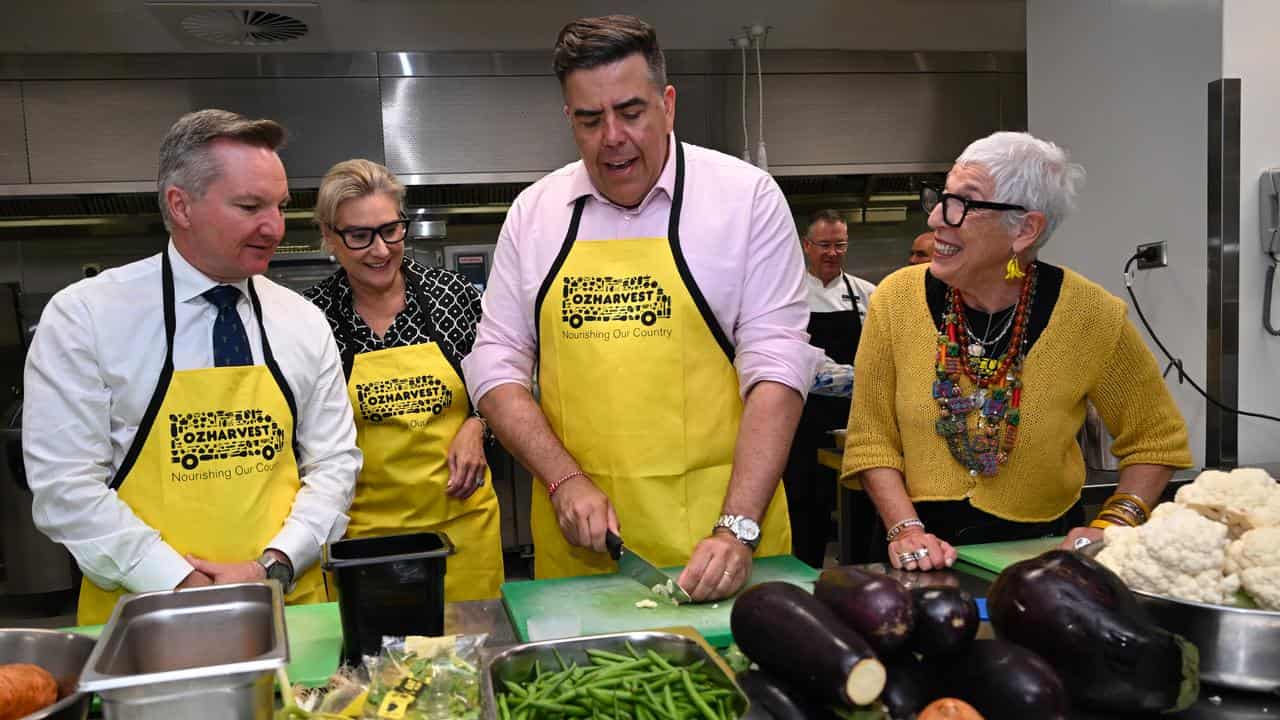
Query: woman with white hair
x,y
973,372
402,331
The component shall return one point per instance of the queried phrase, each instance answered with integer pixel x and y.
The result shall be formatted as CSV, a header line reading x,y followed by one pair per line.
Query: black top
x,y
441,306
1048,286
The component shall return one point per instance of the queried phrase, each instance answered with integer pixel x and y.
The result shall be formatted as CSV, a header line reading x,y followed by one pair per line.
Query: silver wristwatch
x,y
277,570
743,528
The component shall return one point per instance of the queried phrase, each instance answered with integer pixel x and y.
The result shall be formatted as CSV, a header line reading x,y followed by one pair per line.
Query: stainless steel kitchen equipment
x,y
516,663
1239,648
200,654
63,655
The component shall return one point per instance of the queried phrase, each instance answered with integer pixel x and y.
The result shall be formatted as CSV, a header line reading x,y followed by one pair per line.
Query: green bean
x,y
606,655
696,698
503,711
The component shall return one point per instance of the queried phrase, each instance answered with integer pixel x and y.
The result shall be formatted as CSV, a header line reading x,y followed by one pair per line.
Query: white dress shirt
x,y
834,296
736,233
90,374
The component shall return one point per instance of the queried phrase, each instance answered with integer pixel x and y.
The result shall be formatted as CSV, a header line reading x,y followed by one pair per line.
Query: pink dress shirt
x,y
738,238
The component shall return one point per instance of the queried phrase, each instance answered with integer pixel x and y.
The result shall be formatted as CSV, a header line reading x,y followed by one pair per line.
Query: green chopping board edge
x,y
995,557
315,641
606,603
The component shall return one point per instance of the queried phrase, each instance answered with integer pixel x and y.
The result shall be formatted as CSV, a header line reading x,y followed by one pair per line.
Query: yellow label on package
x,y
397,702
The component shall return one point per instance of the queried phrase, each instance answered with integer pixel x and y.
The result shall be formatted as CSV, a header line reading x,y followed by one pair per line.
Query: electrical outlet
x,y
1153,255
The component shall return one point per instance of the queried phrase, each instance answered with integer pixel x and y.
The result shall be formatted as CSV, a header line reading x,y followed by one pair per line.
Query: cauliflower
x,y
1256,548
1231,497
1266,515
1263,585
1178,553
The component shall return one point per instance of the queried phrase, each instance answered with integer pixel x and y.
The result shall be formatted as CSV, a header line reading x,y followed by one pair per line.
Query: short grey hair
x,y
1030,172
185,160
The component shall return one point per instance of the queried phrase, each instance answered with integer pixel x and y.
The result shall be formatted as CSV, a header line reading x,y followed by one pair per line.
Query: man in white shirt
x,y
186,420
838,304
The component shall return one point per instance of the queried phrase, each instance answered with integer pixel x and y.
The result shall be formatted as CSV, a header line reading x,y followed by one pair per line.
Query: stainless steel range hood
x,y
91,124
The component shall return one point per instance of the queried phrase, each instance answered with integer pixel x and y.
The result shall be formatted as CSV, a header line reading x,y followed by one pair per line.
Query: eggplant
x,y
877,606
1081,617
946,621
911,685
782,702
793,636
1004,681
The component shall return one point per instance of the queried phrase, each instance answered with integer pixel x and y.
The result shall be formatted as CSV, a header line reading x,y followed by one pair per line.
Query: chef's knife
x,y
641,570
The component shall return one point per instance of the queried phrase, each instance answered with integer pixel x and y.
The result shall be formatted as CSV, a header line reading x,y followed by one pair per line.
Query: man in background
x,y
838,303
921,249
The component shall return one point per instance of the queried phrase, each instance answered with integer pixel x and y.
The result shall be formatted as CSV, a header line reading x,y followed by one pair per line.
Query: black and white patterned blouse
x,y
440,306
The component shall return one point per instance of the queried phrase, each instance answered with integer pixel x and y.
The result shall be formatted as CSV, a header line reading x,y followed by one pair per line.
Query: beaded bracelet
x,y
897,529
553,487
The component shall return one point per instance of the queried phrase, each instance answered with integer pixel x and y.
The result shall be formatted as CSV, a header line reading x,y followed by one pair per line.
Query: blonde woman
x,y
402,331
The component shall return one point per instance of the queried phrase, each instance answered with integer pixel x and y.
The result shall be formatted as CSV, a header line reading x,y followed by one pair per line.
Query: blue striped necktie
x,y
230,343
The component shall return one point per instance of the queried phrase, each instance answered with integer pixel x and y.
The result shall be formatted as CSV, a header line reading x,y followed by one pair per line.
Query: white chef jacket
x,y
834,296
90,373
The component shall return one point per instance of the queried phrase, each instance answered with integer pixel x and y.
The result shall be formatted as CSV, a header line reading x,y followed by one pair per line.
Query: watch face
x,y
279,572
748,529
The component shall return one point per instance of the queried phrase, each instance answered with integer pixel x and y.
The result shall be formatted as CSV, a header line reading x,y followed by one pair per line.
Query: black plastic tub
x,y
389,585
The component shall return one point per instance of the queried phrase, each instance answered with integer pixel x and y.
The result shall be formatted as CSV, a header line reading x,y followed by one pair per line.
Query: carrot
x,y
25,689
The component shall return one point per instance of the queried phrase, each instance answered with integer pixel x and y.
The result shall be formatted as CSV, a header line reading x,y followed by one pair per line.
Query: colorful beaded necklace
x,y
997,391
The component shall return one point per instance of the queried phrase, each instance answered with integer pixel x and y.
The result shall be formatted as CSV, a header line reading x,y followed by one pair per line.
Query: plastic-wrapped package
x,y
833,379
418,678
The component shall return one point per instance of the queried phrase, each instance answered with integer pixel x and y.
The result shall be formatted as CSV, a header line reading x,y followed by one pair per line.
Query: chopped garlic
x,y
646,604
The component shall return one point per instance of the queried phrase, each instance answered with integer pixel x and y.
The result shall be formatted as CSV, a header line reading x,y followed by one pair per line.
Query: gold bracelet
x,y
1142,504
1127,507
1117,518
1100,524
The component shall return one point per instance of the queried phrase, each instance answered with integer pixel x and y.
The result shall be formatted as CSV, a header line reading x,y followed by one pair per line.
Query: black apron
x,y
811,493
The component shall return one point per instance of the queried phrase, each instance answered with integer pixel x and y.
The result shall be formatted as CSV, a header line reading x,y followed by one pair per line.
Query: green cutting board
x,y
315,641
995,557
606,603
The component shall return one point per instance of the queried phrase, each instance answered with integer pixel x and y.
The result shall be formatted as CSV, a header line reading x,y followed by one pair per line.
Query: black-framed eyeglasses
x,y
359,238
956,207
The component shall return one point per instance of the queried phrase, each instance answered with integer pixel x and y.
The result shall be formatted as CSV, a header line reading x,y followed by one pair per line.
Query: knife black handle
x,y
614,543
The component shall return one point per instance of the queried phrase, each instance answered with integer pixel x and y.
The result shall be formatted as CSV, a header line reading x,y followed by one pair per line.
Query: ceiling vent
x,y
248,26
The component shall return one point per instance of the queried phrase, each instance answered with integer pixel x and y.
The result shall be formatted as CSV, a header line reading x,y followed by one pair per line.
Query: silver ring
x,y
728,574
922,553
1081,542
907,557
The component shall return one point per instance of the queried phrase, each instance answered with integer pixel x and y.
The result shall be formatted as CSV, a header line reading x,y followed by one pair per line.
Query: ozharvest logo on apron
x,y
196,437
607,299
382,399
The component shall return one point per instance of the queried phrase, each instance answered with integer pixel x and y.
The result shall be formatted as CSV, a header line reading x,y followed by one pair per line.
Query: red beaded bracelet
x,y
553,487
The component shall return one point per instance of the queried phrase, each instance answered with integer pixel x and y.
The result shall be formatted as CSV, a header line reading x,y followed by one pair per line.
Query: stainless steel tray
x,y
1239,647
191,654
515,663
63,655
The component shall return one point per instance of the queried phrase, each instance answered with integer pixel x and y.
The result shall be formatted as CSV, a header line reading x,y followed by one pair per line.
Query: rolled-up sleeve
x,y
506,339
67,452
328,459
771,340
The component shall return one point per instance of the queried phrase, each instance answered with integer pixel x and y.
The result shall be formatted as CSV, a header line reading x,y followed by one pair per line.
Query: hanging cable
x,y
742,43
1266,297
758,35
1176,362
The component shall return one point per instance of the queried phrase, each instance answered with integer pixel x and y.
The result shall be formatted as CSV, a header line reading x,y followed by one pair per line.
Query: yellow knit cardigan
x,y
1088,350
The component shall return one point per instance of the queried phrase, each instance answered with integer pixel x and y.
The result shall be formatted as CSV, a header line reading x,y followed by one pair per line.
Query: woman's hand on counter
x,y
1079,535
466,460
719,566
930,552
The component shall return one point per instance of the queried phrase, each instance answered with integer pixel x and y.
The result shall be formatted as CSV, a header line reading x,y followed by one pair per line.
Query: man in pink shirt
x,y
658,289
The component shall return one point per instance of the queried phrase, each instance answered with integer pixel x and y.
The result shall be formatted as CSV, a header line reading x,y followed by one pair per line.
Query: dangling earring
x,y
1013,271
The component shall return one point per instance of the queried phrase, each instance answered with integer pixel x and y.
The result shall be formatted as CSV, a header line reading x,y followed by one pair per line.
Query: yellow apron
x,y
212,465
637,381
409,403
